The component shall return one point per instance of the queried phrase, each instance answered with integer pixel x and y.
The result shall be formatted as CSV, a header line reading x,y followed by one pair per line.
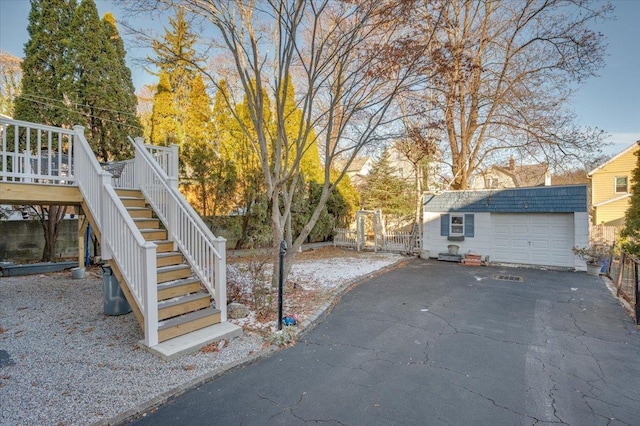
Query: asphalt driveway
x,y
442,343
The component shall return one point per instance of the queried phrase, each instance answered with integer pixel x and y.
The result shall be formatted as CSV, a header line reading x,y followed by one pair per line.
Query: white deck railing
x,y
36,153
44,154
204,251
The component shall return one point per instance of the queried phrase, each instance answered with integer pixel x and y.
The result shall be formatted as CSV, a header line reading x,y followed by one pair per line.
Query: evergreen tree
x,y
386,191
163,124
176,57
47,72
213,177
47,84
631,230
121,119
295,130
91,55
250,187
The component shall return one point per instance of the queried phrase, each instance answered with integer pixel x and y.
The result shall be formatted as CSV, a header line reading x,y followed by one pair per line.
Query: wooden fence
x,y
402,242
622,268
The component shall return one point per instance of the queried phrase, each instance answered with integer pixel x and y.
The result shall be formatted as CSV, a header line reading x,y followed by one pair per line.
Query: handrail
x,y
200,247
120,237
36,152
26,146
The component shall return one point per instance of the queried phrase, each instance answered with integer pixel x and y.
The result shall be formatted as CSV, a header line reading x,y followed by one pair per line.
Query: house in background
x,y
513,176
611,187
358,169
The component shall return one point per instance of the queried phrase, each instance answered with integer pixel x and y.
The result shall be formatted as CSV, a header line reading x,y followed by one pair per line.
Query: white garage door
x,y
535,239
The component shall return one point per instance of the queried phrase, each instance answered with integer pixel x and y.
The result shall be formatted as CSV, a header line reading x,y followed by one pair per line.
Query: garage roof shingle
x,y
539,199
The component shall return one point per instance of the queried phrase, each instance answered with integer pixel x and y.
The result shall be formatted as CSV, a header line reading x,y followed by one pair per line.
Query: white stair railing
x,y
120,238
204,251
38,153
35,153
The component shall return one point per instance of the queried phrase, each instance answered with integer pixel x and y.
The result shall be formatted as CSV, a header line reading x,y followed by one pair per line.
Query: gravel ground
x,y
73,365
69,364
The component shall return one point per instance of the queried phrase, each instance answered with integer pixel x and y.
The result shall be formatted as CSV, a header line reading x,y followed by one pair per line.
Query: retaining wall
x,y
22,241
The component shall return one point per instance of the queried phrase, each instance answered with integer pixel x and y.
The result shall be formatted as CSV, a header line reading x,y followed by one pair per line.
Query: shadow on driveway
x,y
442,343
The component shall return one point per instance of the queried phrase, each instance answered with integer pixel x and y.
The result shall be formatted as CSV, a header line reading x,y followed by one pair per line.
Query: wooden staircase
x,y
183,303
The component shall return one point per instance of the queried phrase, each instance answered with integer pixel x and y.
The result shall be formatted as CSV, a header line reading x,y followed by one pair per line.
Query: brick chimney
x,y
512,163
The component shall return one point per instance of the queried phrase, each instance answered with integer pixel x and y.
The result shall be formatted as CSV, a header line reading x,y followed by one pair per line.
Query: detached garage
x,y
532,226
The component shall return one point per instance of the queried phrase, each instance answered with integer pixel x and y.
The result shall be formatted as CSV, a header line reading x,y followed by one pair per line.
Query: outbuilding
x,y
531,226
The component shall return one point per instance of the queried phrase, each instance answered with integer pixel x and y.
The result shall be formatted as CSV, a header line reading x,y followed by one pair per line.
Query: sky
x,y
610,102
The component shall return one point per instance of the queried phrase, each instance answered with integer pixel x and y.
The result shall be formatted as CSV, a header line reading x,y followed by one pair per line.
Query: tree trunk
x,y
50,218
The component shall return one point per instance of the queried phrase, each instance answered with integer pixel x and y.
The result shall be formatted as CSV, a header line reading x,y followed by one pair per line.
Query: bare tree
x,y
502,74
350,66
419,146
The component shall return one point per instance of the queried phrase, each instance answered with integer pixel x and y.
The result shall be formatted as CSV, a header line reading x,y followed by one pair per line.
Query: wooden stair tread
x,y
129,192
145,219
191,316
177,283
170,268
163,246
182,299
168,254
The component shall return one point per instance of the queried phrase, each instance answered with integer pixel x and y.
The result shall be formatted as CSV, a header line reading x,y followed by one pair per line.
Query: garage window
x,y
457,225
621,184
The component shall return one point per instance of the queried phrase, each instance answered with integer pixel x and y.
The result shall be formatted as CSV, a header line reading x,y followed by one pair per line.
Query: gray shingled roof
x,y
540,199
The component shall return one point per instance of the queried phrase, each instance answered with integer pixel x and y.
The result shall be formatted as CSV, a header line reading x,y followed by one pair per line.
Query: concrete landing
x,y
194,341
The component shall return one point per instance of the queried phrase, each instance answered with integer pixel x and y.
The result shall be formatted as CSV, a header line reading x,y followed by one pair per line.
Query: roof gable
x,y
542,199
630,149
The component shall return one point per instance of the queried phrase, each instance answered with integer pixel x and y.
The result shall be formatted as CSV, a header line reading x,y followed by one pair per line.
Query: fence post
x,y
150,292
103,221
220,278
137,162
636,292
623,258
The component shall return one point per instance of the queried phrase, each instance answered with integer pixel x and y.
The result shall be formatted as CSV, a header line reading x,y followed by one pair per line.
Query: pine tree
x,y
631,230
121,119
213,177
176,57
91,56
47,84
386,191
47,72
163,123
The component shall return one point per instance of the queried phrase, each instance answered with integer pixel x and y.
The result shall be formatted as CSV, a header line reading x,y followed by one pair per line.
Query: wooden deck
x,y
34,193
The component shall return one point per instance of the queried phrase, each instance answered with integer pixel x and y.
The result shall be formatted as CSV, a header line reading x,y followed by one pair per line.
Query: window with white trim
x,y
622,184
456,224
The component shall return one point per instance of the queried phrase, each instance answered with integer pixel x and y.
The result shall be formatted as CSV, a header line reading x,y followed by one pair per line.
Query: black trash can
x,y
114,301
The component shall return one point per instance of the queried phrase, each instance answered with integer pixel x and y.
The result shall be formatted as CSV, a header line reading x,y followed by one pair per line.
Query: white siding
x,y
534,238
433,242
